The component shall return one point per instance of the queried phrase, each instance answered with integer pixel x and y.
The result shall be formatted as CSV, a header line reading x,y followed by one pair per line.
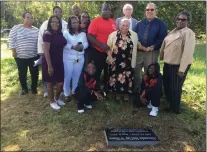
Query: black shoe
x,y
177,112
34,91
172,111
167,110
68,99
23,92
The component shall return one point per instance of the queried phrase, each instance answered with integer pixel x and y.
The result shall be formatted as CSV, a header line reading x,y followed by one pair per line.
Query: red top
x,y
101,29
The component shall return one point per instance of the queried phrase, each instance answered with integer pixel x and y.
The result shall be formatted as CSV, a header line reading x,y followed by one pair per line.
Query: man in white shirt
x,y
127,10
57,11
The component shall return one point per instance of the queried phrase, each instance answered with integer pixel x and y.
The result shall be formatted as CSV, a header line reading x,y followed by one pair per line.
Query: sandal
x,y
126,98
118,97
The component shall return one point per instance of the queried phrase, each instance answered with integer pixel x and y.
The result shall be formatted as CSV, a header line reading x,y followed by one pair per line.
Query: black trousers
x,y
154,97
106,77
99,59
173,85
84,98
87,55
22,65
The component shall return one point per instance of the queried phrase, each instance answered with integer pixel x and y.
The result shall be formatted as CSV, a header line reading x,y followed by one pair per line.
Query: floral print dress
x,y
120,72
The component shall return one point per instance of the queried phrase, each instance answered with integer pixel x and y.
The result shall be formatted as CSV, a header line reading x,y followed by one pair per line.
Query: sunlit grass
x,y
28,123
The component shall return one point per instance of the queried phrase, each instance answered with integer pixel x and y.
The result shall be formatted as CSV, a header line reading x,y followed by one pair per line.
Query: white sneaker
x,y
88,106
154,111
81,111
54,106
149,106
45,94
59,102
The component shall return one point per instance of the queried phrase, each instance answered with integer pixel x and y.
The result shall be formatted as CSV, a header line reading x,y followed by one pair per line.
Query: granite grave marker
x,y
130,137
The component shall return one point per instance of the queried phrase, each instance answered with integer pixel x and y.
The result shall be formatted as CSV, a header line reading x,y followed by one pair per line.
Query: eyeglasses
x,y
182,19
150,10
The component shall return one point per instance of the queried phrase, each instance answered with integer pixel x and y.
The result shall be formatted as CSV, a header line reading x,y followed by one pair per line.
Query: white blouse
x,y
73,40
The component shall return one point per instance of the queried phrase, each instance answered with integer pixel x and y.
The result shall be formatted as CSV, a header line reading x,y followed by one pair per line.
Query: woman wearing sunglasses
x,y
177,53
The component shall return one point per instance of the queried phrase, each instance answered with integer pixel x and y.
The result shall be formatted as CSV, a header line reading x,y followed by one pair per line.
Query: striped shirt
x,y
24,40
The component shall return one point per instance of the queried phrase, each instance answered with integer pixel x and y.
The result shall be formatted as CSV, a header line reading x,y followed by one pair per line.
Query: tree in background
x,y
11,12
167,11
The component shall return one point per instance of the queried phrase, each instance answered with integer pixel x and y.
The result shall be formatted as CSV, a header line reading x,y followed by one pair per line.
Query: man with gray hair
x,y
151,32
127,10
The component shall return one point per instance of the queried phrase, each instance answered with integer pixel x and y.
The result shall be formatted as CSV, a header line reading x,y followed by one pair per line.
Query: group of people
x,y
80,49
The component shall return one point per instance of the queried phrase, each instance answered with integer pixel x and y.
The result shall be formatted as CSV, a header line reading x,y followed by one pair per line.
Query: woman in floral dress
x,y
122,59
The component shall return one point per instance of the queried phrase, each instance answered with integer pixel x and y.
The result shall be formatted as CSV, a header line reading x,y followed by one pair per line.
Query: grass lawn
x,y
28,123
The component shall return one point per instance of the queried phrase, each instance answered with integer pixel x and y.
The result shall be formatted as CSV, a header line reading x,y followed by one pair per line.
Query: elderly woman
x,y
177,53
122,59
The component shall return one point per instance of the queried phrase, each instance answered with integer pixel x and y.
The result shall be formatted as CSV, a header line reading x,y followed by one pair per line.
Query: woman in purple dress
x,y
52,64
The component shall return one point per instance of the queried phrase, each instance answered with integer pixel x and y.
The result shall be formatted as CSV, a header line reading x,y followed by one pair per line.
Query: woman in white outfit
x,y
73,55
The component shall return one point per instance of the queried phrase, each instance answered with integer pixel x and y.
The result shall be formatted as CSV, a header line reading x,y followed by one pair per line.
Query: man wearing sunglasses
x,y
151,32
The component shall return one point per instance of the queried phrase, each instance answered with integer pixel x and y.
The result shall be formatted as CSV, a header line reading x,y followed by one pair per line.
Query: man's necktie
x,y
146,34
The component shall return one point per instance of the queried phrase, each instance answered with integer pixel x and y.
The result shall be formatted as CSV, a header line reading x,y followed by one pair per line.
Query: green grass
x,y
28,123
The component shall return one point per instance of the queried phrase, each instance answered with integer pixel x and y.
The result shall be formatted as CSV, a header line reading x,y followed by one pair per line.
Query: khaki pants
x,y
144,59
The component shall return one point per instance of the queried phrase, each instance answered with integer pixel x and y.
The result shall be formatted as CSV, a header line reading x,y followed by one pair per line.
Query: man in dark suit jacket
x,y
127,10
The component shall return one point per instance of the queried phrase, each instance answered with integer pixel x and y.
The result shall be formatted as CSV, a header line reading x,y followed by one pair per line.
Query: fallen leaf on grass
x,y
188,148
92,149
12,148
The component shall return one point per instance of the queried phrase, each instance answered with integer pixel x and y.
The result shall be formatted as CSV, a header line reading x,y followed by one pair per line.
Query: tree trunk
x,y
2,9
